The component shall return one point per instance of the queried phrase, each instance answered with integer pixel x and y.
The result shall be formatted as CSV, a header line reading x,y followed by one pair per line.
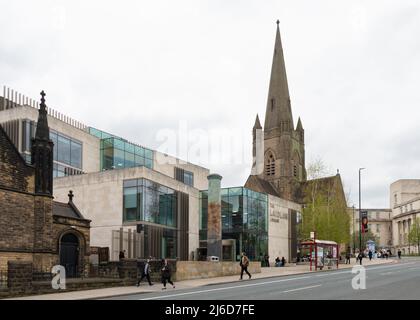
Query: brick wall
x,y
16,221
14,173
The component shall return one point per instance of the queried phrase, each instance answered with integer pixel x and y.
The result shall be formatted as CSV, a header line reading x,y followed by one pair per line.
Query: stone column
x,y
214,217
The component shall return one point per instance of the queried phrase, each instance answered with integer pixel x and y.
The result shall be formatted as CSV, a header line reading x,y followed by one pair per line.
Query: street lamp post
x,y
360,211
354,233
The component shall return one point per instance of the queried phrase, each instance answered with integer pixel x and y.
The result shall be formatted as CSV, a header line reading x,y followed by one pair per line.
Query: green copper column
x,y
214,217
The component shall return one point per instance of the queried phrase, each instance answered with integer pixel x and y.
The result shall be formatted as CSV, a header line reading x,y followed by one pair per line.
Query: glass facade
x,y
145,200
118,153
244,219
67,151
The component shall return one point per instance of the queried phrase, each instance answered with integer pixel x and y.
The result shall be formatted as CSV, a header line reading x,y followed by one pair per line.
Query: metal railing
x,y
13,99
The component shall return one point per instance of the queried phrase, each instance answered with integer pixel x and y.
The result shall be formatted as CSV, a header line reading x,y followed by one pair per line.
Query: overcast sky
x,y
140,68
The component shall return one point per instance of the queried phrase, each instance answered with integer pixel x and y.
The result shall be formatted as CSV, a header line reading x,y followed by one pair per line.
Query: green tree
x,y
325,209
414,234
365,238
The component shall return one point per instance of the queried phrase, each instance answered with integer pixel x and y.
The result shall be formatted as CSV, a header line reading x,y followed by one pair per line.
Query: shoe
x,y
163,288
150,284
173,287
240,278
249,277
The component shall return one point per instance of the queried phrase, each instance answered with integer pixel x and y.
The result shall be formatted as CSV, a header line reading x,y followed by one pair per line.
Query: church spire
x,y
42,130
278,113
257,124
42,153
299,126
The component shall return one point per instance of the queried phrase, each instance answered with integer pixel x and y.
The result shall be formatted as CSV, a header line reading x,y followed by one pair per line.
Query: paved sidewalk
x,y
157,287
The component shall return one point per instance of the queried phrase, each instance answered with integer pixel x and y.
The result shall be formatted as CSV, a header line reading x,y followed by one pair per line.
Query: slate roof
x,y
257,184
68,210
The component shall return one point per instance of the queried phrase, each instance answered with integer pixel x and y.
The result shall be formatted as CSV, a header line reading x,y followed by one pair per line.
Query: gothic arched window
x,y
270,165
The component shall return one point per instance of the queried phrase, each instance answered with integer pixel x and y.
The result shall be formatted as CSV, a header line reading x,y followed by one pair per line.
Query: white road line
x,y
275,281
224,288
304,288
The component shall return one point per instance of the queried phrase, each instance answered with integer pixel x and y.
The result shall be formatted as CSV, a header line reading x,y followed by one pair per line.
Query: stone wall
x,y
19,276
188,270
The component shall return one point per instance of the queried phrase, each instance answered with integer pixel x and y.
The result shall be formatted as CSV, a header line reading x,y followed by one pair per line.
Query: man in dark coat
x,y
145,273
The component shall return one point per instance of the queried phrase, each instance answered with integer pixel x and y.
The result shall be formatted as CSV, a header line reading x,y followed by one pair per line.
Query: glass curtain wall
x,y
67,151
147,201
117,154
244,219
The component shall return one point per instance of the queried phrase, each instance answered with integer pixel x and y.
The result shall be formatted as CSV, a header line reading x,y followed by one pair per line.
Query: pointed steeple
x,y
257,124
299,126
278,113
42,153
42,130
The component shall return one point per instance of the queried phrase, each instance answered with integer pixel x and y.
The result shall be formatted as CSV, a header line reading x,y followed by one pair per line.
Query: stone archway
x,y
69,254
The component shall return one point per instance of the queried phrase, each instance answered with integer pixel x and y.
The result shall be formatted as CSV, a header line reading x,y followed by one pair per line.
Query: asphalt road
x,y
391,281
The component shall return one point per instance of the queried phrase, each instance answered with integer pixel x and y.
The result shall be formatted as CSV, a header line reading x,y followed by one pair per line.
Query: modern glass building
x,y
118,153
159,212
244,220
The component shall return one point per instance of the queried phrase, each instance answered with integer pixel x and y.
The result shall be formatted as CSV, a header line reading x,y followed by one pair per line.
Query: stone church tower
x,y
284,145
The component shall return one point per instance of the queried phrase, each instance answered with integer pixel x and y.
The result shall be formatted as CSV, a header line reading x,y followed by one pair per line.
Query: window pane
x,y
139,151
130,204
128,147
118,159
129,160
76,154
119,144
139,161
148,154
63,149
149,163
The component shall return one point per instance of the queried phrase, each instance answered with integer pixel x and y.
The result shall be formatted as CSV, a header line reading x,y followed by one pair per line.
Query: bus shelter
x,y
320,253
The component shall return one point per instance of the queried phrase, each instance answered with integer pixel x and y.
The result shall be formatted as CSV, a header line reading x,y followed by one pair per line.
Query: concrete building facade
x,y
380,225
405,206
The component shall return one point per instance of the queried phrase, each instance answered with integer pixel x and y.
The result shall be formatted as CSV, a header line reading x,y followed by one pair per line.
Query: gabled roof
x,y
257,184
327,183
68,210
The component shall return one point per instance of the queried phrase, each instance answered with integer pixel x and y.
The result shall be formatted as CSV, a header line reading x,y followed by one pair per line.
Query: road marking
x,y
304,288
225,288
276,281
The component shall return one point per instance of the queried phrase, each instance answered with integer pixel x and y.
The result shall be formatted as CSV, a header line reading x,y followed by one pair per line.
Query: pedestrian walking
x,y
283,261
244,263
122,255
348,258
370,255
166,274
399,253
360,257
145,274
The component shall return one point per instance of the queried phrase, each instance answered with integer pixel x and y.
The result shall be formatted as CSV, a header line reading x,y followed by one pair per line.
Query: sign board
x,y
365,221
